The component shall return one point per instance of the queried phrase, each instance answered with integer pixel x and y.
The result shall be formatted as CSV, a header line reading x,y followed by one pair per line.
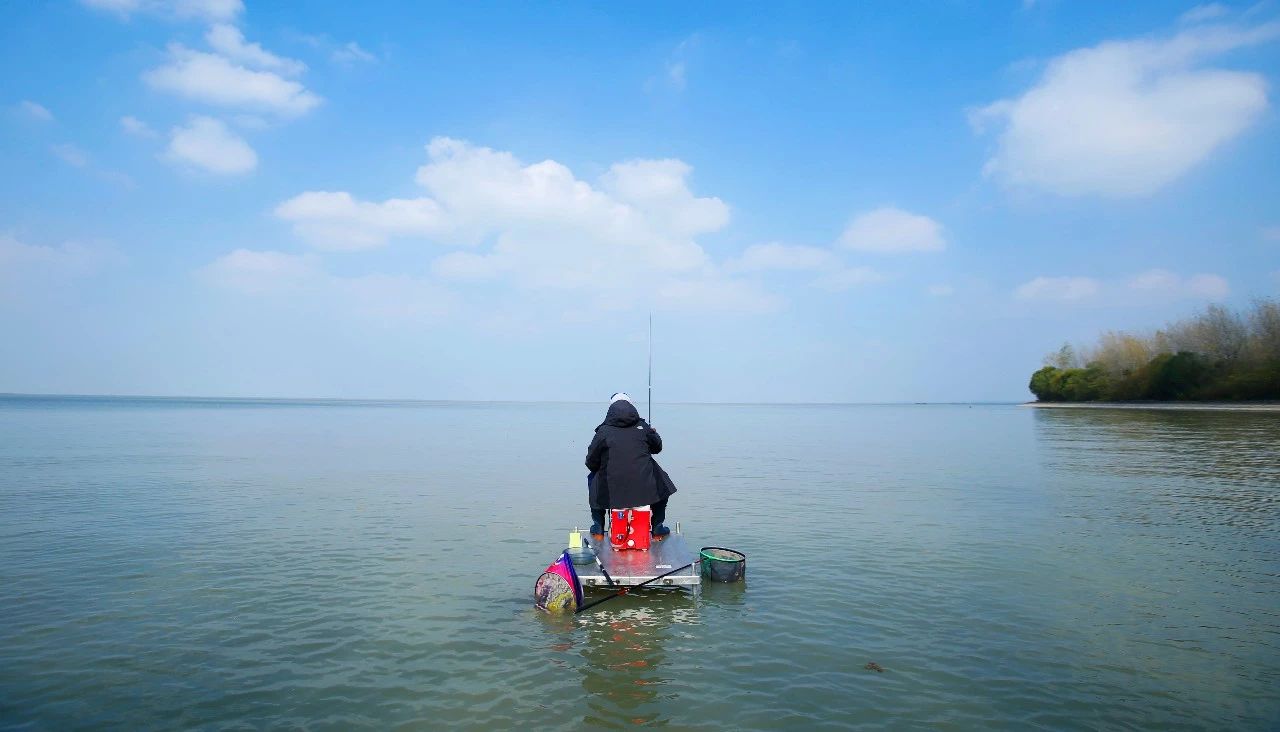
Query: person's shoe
x,y
661,530
596,530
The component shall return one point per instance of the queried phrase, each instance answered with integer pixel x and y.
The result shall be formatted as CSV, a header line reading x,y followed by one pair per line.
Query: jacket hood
x,y
622,413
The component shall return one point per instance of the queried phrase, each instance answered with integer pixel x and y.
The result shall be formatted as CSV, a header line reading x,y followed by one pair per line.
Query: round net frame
x,y
553,593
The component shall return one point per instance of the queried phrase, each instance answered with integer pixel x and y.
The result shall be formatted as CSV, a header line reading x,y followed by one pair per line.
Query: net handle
x,y
625,590
596,556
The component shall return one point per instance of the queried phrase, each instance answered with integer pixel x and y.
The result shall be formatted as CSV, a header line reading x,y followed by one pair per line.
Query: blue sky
x,y
849,202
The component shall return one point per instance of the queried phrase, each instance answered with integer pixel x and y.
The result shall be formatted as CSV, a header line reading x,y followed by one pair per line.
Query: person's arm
x,y
595,452
654,440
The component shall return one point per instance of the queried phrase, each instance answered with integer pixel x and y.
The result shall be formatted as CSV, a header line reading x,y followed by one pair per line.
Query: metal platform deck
x,y
630,568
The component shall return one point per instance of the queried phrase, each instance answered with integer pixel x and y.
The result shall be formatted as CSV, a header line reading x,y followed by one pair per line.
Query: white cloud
x,y
229,41
1163,283
941,290
537,226
203,10
136,127
773,256
336,221
660,188
848,278
1061,289
1125,118
213,79
351,54
70,154
35,111
208,144
892,230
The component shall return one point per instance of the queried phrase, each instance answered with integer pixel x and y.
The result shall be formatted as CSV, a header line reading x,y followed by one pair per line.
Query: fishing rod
x,y
650,419
599,564
625,590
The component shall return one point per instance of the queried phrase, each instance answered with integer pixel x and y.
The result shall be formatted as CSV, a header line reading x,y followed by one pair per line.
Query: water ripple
x,y
249,565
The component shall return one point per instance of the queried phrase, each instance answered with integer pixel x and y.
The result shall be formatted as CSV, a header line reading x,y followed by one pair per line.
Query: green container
x,y
722,565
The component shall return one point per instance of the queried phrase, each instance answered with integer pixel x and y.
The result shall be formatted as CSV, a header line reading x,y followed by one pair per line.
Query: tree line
x,y
1216,355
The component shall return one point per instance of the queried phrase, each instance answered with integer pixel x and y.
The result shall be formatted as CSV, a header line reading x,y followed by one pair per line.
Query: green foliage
x,y
1042,385
1052,384
1176,376
1216,355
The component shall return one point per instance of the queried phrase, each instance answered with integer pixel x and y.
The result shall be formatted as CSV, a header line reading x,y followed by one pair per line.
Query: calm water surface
x,y
248,565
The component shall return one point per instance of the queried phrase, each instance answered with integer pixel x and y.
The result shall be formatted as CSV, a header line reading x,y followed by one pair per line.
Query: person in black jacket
x,y
623,471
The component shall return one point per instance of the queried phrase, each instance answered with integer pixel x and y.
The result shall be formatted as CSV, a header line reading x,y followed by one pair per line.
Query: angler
x,y
624,474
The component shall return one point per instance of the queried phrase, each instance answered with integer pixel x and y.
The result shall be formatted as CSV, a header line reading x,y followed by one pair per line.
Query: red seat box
x,y
629,528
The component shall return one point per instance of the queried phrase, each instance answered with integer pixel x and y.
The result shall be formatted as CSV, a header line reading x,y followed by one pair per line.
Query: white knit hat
x,y
620,396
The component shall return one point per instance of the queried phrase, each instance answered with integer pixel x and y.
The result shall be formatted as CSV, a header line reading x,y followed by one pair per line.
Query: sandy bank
x,y
1200,406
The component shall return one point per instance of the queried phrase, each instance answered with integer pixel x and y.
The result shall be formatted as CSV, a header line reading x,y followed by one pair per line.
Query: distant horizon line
x,y
413,400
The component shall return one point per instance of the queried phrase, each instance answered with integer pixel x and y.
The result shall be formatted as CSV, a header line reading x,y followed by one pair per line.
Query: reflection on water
x,y
200,565
623,654
630,652
1173,466
1171,523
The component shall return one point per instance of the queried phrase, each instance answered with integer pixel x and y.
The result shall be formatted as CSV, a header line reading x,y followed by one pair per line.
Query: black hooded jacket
x,y
621,457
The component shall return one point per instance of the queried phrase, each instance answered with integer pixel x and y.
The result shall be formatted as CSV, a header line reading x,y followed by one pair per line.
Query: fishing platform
x,y
629,568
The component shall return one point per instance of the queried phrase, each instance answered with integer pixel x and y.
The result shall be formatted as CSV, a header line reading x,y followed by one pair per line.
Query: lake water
x,y
220,564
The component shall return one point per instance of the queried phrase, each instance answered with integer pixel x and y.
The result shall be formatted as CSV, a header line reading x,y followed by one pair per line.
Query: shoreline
x,y
1163,406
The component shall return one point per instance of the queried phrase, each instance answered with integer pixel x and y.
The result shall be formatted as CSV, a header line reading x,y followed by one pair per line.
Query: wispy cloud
x,y
774,256
1204,13
34,111
675,68
76,157
214,79
846,278
1166,283
351,54
1061,289
1153,285
19,259
70,154
230,42
346,54
136,127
